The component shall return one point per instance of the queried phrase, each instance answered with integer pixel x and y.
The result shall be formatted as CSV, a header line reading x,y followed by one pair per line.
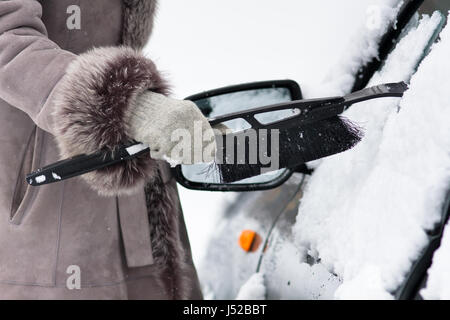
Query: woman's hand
x,y
175,130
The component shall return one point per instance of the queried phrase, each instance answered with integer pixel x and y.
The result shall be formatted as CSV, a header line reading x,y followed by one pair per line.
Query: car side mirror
x,y
228,100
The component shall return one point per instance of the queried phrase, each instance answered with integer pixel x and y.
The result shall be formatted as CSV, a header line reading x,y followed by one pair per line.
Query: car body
x,y
270,215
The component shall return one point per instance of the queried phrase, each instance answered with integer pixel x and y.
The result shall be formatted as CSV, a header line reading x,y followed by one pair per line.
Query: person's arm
x,y
82,100
30,64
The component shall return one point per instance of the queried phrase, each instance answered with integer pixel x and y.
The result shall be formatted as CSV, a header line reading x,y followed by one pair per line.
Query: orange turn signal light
x,y
249,240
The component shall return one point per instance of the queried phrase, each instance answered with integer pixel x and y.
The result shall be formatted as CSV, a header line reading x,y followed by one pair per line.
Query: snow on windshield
x,y
432,93
365,212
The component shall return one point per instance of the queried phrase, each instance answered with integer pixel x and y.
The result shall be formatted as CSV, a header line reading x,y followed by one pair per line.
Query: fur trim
x,y
92,101
137,22
167,248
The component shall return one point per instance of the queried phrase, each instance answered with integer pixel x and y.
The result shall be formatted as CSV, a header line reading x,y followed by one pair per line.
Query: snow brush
x,y
314,131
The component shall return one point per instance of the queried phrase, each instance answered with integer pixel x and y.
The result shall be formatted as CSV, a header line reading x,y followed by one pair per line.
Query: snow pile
x,y
365,211
289,277
367,284
364,47
439,273
253,289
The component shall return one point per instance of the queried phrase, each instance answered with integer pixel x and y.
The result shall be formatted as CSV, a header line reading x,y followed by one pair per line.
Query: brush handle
x,y
303,105
311,110
380,91
325,111
84,163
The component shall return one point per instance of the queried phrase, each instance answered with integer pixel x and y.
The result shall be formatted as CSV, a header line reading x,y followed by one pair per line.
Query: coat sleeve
x,y
82,100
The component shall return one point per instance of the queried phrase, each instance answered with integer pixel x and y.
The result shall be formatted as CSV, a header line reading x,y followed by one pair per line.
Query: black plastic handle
x,y
311,110
84,163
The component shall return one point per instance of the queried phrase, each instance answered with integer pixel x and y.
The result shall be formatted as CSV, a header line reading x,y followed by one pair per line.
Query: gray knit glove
x,y
175,130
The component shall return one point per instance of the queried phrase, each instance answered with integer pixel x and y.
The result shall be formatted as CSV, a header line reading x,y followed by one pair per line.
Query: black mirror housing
x,y
295,94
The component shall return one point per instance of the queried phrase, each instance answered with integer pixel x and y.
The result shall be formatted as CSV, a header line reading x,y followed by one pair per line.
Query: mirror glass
x,y
224,104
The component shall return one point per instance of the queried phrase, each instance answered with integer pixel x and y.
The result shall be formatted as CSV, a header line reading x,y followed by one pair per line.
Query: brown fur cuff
x,y
91,102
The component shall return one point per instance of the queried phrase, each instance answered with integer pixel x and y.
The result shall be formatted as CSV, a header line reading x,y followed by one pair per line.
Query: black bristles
x,y
297,145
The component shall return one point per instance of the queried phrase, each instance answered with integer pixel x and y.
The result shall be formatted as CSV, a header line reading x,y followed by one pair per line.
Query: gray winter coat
x,y
66,91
